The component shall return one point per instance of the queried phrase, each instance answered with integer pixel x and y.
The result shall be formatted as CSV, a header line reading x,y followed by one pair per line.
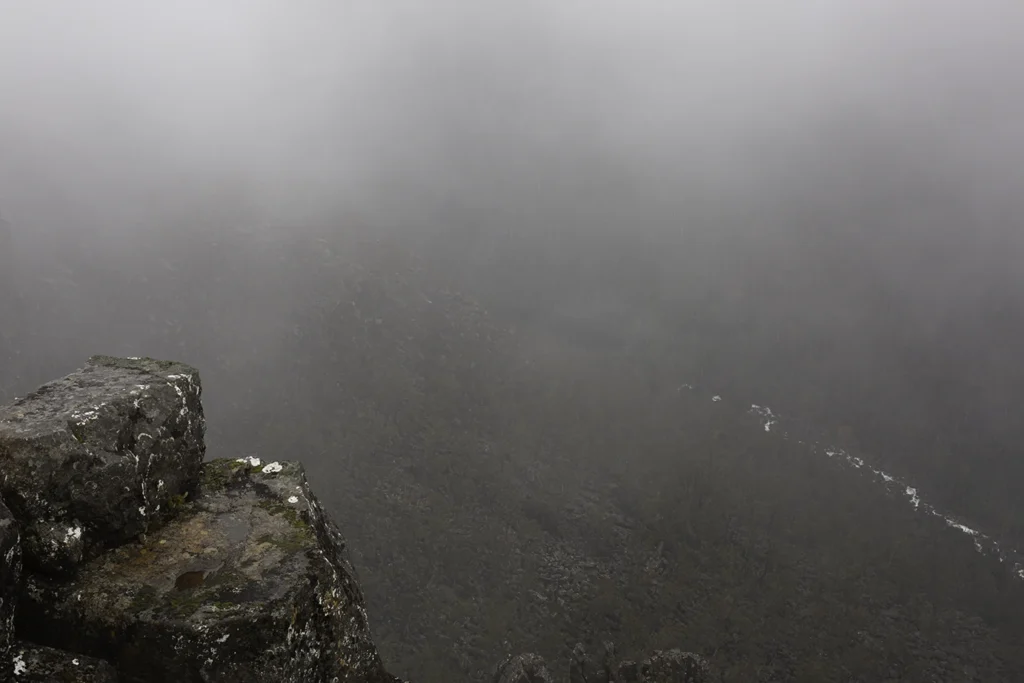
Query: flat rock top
x,y
247,580
236,551
80,398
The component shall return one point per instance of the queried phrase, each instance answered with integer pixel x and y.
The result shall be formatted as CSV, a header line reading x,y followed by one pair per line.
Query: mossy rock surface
x,y
247,583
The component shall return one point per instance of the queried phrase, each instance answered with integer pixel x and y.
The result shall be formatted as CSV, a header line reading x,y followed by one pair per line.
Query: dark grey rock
x,y
37,664
247,583
580,665
10,575
528,668
628,672
668,666
674,666
60,544
99,457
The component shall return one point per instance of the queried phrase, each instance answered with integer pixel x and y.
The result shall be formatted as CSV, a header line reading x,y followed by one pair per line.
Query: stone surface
x,y
674,666
10,575
98,457
528,668
247,583
667,666
36,664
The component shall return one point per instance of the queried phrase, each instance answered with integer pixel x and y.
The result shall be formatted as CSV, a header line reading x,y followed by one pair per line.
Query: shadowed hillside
x,y
505,488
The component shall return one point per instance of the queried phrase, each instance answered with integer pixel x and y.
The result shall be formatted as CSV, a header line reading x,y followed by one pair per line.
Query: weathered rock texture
x,y
145,564
663,666
248,583
528,668
95,459
37,664
10,575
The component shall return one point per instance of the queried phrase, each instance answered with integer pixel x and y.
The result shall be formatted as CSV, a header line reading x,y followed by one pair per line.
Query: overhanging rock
x,y
247,583
96,458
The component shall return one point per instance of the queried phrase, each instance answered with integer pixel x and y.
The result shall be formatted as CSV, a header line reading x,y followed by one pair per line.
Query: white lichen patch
x,y
272,468
915,500
250,461
159,484
961,527
74,533
142,510
184,401
19,665
224,638
293,500
766,414
191,383
84,417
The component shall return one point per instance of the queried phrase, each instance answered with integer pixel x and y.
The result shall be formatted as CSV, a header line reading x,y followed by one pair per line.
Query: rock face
x,y
248,583
527,668
145,564
10,576
96,458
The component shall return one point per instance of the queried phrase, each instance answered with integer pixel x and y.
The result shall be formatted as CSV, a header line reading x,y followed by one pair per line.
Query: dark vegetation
x,y
510,454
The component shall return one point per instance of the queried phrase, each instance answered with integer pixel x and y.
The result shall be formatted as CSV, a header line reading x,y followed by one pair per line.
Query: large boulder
x,y
10,575
247,583
97,458
37,664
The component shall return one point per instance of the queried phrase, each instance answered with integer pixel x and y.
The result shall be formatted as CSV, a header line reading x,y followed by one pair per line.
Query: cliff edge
x,y
126,557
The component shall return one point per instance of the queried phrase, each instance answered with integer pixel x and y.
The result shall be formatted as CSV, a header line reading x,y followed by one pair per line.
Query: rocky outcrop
x,y
248,583
145,564
96,458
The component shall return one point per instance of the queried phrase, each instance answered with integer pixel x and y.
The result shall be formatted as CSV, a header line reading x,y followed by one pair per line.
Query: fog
x,y
126,115
818,203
